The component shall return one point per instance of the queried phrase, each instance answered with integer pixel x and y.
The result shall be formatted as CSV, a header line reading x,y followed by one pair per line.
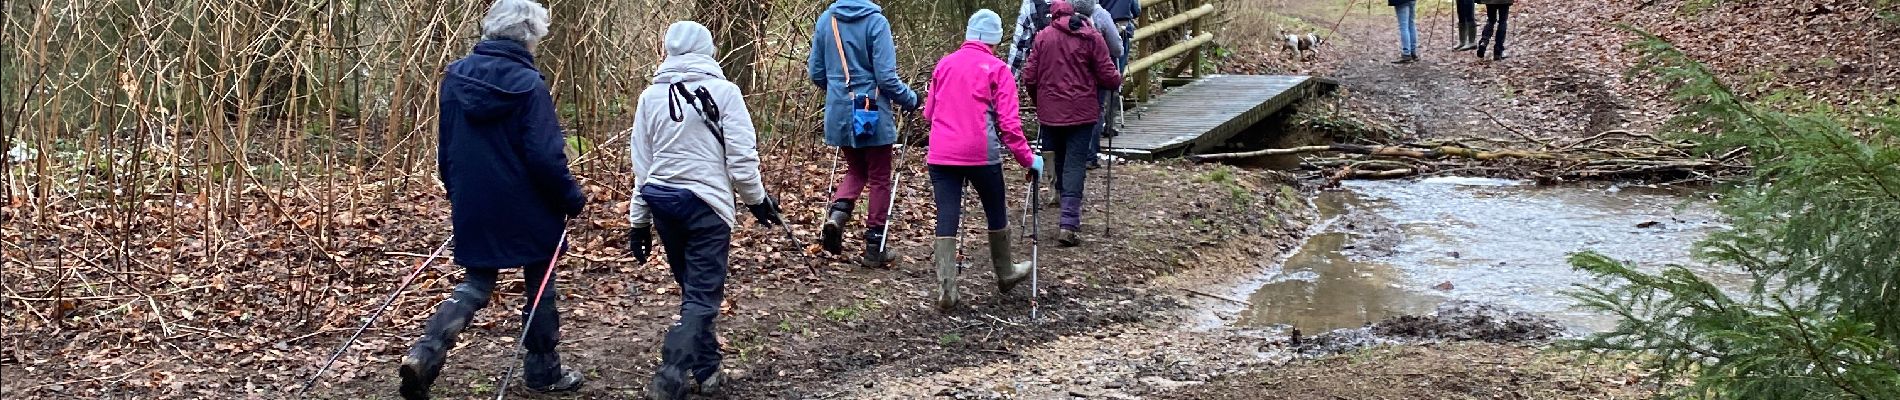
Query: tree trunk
x,y
736,28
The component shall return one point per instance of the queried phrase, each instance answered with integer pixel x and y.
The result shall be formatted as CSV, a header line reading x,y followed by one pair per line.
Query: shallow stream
x,y
1387,248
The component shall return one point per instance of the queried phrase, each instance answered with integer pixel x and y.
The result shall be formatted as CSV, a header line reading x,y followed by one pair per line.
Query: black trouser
x,y
542,366
1467,12
697,242
1495,15
1071,147
947,183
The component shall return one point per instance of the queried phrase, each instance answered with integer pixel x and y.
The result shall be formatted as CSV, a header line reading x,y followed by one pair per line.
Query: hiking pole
x,y
1108,193
891,208
378,313
798,248
1035,243
533,309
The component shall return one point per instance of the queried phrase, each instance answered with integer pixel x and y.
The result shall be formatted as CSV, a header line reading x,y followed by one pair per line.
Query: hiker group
x,y
695,162
1497,18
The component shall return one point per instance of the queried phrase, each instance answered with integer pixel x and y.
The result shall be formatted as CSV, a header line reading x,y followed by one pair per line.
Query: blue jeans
x,y
1408,32
946,182
697,243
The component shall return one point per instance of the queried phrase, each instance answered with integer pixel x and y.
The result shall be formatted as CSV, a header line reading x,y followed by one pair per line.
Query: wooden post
x,y
1199,51
1146,46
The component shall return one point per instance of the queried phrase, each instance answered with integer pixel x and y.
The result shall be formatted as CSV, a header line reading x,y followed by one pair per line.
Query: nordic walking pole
x,y
378,313
1035,243
896,172
533,309
798,248
1108,194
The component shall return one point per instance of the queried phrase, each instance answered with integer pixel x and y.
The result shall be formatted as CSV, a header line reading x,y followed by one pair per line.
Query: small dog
x,y
1300,44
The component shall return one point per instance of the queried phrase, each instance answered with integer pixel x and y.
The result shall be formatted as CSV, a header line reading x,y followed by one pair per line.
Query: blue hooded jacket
x,y
872,60
501,158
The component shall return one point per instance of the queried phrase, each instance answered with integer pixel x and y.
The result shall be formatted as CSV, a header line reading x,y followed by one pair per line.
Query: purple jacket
x,y
1068,65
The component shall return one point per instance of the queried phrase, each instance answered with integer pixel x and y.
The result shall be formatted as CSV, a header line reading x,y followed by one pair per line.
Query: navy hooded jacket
x,y
501,158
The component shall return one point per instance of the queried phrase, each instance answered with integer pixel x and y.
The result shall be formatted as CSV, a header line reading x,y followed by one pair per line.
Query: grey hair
x,y
1084,8
524,21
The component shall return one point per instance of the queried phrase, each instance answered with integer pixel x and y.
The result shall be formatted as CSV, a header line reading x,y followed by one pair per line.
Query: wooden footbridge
x,y
1206,111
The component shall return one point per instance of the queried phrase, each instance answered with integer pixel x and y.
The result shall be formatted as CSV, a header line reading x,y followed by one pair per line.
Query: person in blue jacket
x,y
855,60
510,193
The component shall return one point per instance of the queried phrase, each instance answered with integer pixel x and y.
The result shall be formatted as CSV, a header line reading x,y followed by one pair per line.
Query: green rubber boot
x,y
945,258
1008,273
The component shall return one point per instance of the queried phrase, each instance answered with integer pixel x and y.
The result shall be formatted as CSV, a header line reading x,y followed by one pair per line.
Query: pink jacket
x,y
973,110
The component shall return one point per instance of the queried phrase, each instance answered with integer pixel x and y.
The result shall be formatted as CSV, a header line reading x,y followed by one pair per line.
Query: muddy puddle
x,y
1389,248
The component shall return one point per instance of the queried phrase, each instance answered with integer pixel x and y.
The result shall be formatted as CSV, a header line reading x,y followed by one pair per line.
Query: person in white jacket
x,y
693,146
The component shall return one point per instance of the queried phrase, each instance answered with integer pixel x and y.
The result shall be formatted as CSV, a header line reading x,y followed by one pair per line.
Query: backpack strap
x,y
701,102
845,61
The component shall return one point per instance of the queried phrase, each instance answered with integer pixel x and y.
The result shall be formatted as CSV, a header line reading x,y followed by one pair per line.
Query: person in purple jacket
x,y
1068,66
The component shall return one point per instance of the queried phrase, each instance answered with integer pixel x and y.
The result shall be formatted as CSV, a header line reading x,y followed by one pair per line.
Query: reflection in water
x,y
1495,241
1320,289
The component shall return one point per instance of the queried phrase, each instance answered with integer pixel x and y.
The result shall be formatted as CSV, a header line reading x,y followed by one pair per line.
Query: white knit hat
x,y
985,26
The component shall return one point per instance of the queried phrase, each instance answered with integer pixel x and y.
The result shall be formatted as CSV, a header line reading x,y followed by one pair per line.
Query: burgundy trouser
x,y
867,166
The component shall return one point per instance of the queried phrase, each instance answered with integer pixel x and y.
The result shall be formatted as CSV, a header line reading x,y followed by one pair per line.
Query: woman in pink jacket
x,y
974,120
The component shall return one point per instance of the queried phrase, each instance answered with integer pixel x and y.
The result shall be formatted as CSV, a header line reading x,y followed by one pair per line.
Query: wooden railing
x,y
1182,35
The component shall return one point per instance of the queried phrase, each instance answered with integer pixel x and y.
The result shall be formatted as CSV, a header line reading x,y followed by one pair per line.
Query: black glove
x,y
767,212
640,242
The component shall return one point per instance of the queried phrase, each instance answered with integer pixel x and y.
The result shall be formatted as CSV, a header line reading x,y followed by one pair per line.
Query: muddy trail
x,y
788,336
1123,316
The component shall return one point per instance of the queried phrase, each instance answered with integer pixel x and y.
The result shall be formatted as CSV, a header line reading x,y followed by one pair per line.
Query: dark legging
x,y
947,182
1499,16
1467,12
698,248
542,366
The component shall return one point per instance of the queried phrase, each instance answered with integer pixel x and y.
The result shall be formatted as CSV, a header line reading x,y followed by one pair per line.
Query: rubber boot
x,y
424,361
875,255
1467,37
1008,273
833,239
944,256
1471,35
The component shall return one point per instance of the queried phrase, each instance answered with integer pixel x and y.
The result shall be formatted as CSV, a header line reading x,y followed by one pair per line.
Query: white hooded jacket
x,y
686,154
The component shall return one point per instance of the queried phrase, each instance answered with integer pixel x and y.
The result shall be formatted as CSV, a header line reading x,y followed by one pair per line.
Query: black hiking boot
x,y
419,370
875,253
1068,238
833,238
1406,59
668,384
713,386
569,381
424,362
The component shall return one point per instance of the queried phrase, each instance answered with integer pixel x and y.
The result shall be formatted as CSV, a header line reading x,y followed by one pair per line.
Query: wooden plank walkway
x,y
1203,114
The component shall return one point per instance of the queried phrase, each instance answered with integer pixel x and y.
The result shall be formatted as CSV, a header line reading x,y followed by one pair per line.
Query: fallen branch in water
x,y
1387,151
1216,296
1650,157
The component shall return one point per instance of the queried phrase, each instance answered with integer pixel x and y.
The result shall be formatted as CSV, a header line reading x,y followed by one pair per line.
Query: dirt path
x,y
1560,79
860,329
1118,323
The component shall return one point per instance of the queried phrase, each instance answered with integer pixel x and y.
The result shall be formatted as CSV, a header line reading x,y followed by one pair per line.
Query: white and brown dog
x,y
1300,44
